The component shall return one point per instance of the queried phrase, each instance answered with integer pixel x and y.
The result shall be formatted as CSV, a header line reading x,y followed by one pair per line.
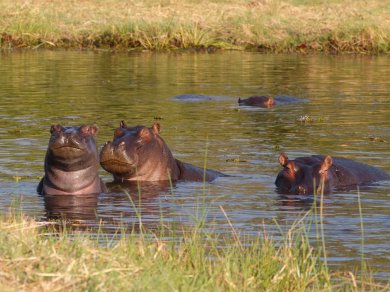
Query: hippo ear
x,y
283,159
270,101
326,164
239,100
55,128
122,124
156,128
93,129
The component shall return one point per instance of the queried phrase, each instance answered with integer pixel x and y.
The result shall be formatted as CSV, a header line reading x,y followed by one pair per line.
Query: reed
x,y
337,26
35,257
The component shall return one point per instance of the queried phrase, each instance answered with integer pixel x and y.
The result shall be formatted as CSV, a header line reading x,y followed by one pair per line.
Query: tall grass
x,y
35,257
265,25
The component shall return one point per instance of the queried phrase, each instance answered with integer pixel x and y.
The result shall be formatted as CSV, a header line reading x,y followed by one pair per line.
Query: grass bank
x,y
34,258
336,26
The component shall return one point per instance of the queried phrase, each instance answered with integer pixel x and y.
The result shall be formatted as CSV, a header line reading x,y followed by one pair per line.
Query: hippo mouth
x,y
67,151
68,147
117,166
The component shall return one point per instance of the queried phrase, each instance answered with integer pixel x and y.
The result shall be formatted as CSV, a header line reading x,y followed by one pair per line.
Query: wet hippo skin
x,y
71,162
139,153
268,101
260,101
299,175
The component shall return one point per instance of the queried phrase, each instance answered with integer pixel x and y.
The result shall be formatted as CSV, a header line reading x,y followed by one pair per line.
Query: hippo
x,y
260,101
268,101
140,154
326,173
71,162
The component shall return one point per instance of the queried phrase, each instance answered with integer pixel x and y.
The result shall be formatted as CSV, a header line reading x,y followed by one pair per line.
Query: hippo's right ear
x,y
55,129
156,128
283,159
270,101
122,124
93,129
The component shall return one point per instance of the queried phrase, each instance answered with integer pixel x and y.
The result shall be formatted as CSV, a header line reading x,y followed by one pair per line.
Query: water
x,y
349,105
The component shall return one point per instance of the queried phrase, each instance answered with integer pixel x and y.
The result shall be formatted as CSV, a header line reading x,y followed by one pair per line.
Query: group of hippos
x,y
140,154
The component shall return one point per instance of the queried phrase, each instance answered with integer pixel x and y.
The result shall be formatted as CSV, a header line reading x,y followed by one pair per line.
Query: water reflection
x,y
144,189
348,102
71,207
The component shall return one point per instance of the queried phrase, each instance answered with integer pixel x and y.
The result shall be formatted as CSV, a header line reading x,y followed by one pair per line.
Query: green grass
x,y
35,257
338,26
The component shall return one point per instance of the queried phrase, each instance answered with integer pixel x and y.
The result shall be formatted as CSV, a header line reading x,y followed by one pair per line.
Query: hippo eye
x,y
292,167
119,132
85,130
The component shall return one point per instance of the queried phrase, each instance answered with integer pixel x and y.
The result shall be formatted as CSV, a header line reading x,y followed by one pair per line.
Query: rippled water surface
x,y
348,108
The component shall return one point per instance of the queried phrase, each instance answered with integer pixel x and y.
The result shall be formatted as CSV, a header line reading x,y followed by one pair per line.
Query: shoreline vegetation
x,y
45,256
275,26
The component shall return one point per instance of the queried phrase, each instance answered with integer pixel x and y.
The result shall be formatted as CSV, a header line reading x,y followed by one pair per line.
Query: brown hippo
x,y
260,101
71,162
139,153
299,175
268,101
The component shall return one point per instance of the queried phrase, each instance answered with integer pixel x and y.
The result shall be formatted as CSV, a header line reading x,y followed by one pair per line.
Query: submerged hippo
x,y
299,175
139,153
268,101
71,162
261,101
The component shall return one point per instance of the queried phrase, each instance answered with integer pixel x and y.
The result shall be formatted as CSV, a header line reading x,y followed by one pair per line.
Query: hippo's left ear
x,y
270,101
156,128
326,164
56,128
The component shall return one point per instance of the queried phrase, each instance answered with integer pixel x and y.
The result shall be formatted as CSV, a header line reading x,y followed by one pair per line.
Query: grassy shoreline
x,y
337,26
35,257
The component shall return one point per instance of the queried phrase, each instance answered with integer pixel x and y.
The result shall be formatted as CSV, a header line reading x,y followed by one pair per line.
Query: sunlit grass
x,y
266,25
34,256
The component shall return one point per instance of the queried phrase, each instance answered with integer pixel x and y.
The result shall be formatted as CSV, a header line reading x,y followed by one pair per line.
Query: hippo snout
x,y
299,190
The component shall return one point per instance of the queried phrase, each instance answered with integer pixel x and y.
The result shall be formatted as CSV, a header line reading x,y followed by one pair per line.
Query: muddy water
x,y
347,114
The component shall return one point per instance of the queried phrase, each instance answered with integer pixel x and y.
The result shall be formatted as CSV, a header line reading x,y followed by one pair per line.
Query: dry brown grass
x,y
274,25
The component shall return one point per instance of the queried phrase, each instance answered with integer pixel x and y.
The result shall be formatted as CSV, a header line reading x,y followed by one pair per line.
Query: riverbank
x,y
338,26
35,256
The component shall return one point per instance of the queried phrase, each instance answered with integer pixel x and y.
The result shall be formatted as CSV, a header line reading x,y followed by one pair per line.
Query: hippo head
x,y
133,151
260,101
72,148
301,176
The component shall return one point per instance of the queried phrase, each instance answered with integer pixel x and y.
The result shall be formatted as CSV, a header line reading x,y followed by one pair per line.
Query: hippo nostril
x,y
301,190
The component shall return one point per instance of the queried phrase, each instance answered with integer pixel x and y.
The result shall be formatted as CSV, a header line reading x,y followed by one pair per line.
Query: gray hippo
x,y
299,175
71,162
139,153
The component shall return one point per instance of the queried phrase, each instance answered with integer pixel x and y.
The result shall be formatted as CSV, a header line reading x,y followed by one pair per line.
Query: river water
x,y
347,109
